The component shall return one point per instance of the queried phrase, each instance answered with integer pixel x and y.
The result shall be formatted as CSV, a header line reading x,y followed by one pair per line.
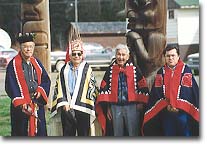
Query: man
x,y
173,106
123,92
75,93
28,85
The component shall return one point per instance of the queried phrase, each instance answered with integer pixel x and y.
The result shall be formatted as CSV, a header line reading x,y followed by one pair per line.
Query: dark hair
x,y
170,47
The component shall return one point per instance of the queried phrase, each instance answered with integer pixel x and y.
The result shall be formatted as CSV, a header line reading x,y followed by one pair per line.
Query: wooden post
x,y
147,34
35,17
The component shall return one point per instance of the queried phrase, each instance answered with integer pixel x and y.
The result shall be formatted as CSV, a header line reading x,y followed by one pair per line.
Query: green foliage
x,y
5,123
5,129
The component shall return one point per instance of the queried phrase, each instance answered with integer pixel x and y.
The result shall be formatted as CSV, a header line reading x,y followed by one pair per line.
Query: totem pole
x,y
146,36
35,18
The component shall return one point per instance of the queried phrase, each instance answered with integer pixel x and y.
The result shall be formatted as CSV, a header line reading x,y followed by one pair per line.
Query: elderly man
x,y
173,107
123,92
75,93
27,84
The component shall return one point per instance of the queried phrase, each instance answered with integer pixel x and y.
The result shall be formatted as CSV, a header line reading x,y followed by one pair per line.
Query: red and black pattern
x,y
137,89
17,89
179,89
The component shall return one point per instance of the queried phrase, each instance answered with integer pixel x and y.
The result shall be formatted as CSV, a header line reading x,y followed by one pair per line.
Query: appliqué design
x,y
187,80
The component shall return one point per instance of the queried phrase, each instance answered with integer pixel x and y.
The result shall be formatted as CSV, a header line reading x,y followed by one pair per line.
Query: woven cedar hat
x,y
26,37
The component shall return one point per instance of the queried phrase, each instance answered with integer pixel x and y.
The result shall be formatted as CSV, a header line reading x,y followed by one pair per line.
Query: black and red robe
x,y
177,88
17,89
137,90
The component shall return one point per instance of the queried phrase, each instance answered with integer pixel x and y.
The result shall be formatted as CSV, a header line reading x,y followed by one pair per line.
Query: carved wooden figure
x,y
147,30
35,17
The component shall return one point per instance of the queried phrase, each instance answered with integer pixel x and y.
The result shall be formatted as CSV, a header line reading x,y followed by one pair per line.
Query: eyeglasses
x,y
74,54
28,46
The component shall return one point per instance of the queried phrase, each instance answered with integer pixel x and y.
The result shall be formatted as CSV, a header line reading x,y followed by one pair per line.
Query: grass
x,y
5,123
5,129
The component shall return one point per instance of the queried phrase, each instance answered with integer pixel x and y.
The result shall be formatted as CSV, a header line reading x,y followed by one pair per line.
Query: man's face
x,y
171,58
121,57
27,49
76,57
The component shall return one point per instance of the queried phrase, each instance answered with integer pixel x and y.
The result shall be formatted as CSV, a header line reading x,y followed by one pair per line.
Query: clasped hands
x,y
170,108
26,107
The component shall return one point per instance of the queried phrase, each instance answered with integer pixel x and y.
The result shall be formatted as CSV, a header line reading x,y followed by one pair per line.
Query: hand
x,y
27,109
172,109
24,106
66,107
109,115
37,95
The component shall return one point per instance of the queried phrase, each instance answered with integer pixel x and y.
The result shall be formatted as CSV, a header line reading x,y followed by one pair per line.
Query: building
x,y
183,25
182,28
108,34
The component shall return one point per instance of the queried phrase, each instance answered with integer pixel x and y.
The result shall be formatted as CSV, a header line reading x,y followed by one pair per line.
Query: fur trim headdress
x,y
26,37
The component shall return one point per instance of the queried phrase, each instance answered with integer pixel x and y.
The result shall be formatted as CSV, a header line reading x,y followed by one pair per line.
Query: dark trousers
x,y
175,124
19,122
80,122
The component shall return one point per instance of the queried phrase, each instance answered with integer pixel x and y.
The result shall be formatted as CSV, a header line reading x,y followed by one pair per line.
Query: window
x,y
171,14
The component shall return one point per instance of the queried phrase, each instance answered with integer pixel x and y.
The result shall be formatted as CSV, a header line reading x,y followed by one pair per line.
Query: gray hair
x,y
122,46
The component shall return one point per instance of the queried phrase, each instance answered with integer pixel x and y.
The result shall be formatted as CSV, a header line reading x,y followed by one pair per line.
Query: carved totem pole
x,y
35,18
146,37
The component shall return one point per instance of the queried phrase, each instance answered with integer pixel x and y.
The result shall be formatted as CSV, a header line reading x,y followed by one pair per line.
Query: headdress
x,y
75,45
26,37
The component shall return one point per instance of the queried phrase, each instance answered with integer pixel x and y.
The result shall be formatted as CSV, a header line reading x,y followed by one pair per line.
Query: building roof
x,y
173,5
181,4
101,27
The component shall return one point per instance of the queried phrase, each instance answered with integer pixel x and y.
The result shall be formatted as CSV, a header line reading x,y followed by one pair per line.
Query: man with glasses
x,y
173,106
75,93
27,84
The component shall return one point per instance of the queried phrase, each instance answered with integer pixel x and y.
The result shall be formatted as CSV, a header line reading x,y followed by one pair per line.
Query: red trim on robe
x,y
43,93
24,90
103,84
156,109
23,85
172,80
142,83
158,80
177,103
32,124
188,108
114,84
113,97
101,118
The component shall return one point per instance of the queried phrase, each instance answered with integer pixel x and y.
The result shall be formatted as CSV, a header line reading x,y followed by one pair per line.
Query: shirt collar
x,y
72,67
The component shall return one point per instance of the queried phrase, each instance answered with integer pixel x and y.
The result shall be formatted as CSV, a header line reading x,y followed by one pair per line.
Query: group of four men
x,y
171,107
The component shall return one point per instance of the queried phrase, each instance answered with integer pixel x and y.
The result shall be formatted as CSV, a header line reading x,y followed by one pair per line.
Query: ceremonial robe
x,y
177,88
17,89
84,95
137,91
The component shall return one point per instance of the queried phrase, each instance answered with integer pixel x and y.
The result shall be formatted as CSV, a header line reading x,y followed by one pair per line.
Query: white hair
x,y
122,46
